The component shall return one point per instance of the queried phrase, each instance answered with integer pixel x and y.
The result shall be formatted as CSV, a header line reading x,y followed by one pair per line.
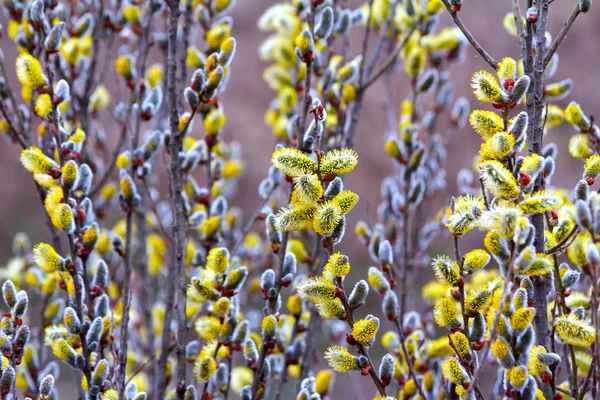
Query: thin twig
x,y
561,35
488,58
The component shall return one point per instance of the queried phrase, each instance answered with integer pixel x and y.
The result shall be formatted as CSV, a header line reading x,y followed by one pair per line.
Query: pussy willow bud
x,y
549,167
345,21
304,45
191,97
46,386
585,5
95,331
339,231
478,328
22,337
444,96
416,193
83,25
427,81
131,390
140,396
61,92
5,342
197,80
389,305
583,214
9,293
71,321
460,112
235,278
7,380
267,283
558,90
548,359
386,369
525,339
240,334
266,187
36,13
570,278
591,253
295,350
273,233
227,52
190,393
289,268
582,190
102,306
226,330
386,254
100,372
250,353
246,393
519,90
325,25
151,103
220,377
21,305
359,294
219,206
101,275
578,312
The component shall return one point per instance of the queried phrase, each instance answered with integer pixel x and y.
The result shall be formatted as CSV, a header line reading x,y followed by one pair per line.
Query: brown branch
x,y
561,35
484,54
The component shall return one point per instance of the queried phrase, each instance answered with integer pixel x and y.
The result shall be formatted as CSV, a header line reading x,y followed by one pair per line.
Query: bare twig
x,y
484,54
561,35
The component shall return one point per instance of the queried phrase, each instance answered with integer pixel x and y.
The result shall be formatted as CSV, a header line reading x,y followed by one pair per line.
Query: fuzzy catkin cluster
x,y
176,294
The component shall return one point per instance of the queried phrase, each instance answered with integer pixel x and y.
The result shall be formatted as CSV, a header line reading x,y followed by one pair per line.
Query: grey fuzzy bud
x,y
101,275
266,187
427,81
390,305
62,90
570,278
386,253
549,167
71,321
335,187
343,22
460,112
478,328
585,5
197,80
529,391
525,340
219,206
583,214
519,299
246,393
267,281
386,369
519,126
579,312
190,393
191,98
46,385
7,380
220,377
102,308
359,294
338,232
250,352
289,266
444,96
22,336
325,25
548,358
295,350
582,190
36,12
519,90
9,293
95,331
591,253
20,308
273,233
84,179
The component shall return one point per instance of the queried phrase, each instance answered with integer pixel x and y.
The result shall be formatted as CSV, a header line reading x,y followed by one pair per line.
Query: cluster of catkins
x,y
147,293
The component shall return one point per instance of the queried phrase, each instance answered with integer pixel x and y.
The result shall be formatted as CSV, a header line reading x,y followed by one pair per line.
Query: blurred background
x,y
247,97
